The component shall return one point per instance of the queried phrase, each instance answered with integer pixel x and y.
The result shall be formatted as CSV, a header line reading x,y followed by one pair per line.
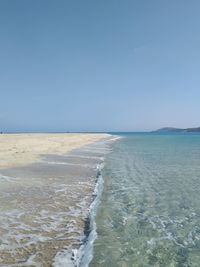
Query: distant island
x,y
178,130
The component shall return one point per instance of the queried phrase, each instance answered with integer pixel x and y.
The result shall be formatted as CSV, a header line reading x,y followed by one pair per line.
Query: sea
x,y
149,211
132,201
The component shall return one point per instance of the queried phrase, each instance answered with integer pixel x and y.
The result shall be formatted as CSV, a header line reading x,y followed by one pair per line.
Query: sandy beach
x,y
22,149
46,188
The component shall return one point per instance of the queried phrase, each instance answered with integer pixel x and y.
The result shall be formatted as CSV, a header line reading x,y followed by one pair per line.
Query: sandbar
x,y
22,149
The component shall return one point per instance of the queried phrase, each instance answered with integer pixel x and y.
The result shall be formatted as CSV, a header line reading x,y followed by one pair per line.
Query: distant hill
x,y
177,130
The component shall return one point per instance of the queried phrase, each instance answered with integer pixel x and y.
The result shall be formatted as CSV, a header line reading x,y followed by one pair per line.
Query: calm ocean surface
x,y
149,213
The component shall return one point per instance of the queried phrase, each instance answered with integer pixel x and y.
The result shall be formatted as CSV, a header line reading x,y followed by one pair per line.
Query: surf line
x,y
85,252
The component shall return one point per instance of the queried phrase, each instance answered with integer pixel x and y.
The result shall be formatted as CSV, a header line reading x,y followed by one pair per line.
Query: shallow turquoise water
x,y
150,209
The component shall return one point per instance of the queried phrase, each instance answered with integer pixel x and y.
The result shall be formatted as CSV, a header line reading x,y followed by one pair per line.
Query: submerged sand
x,y
23,149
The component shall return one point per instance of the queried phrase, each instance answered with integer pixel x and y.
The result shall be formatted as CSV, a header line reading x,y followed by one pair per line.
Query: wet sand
x,y
44,205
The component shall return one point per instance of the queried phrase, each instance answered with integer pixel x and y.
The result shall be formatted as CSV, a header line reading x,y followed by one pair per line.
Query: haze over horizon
x,y
99,65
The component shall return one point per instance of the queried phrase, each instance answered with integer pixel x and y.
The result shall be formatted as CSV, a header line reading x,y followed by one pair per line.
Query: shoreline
x,y
87,249
58,190
82,256
85,253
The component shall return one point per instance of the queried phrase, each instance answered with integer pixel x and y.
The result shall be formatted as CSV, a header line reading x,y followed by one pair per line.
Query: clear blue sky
x,y
99,65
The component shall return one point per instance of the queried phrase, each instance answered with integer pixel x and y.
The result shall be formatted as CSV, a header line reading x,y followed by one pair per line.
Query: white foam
x,y
72,164
85,253
8,178
84,157
64,258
